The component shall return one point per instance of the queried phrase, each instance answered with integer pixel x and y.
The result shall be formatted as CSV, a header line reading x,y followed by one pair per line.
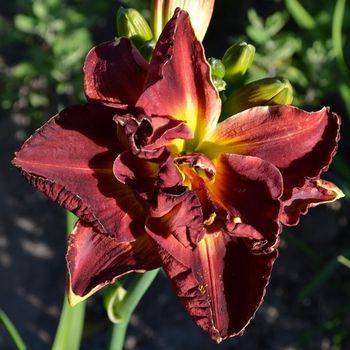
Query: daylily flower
x,y
157,181
200,12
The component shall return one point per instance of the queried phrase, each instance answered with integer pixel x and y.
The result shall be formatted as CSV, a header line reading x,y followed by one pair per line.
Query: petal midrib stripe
x,y
76,168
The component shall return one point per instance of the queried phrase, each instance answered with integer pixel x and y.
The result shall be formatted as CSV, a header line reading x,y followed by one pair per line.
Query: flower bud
x,y
217,68
219,83
147,49
131,24
217,73
237,60
200,12
264,92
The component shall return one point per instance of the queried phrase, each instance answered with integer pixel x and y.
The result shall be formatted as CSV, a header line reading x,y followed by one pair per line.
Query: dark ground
x,y
32,270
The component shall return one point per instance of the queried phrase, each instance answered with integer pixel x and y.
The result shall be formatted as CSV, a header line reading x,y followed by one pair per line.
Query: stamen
x,y
210,220
237,220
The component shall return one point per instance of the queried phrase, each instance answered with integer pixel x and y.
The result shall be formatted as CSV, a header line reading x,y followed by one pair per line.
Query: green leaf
x,y
345,94
276,22
71,323
337,36
113,300
40,9
70,328
126,307
12,331
24,70
38,100
300,15
344,261
321,277
25,24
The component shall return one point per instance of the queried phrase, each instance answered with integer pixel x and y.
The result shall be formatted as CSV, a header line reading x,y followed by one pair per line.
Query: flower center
x,y
195,169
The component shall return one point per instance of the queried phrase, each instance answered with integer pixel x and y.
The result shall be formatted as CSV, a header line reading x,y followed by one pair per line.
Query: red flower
x,y
156,181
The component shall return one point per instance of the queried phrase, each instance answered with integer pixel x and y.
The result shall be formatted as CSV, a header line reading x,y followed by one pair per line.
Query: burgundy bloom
x,y
157,181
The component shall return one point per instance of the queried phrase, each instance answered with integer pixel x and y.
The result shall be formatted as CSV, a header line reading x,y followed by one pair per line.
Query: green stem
x,y
12,331
300,15
70,328
337,35
343,260
134,294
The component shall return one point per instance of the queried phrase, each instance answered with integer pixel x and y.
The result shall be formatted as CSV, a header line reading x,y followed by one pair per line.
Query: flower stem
x,y
135,292
70,328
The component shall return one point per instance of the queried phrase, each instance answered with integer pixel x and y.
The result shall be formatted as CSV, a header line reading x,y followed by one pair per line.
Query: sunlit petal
x,y
70,159
95,260
179,82
114,73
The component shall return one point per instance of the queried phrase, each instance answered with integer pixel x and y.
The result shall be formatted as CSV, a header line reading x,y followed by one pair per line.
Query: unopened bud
x,y
147,50
217,67
264,92
131,24
200,14
217,73
219,83
237,60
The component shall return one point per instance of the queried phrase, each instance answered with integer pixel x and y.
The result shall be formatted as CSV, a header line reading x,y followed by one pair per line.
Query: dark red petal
x,y
181,214
250,189
115,73
95,260
299,143
179,82
168,175
234,280
71,158
147,136
221,282
313,193
198,162
137,173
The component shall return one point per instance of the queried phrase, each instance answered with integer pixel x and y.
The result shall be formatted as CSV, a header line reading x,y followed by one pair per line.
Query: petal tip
x,y
74,299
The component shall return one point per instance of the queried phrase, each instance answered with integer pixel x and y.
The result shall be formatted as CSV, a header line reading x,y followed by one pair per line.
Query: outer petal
x,y
70,159
179,82
250,189
313,193
299,143
115,73
95,260
199,10
221,282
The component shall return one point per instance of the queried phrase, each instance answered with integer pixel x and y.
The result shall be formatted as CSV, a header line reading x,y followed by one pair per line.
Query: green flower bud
x,y
147,50
217,68
219,83
200,12
237,60
264,92
131,24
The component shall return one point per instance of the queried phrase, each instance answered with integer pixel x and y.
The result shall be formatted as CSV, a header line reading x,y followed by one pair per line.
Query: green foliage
x,y
44,48
12,331
70,328
305,57
300,15
307,42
